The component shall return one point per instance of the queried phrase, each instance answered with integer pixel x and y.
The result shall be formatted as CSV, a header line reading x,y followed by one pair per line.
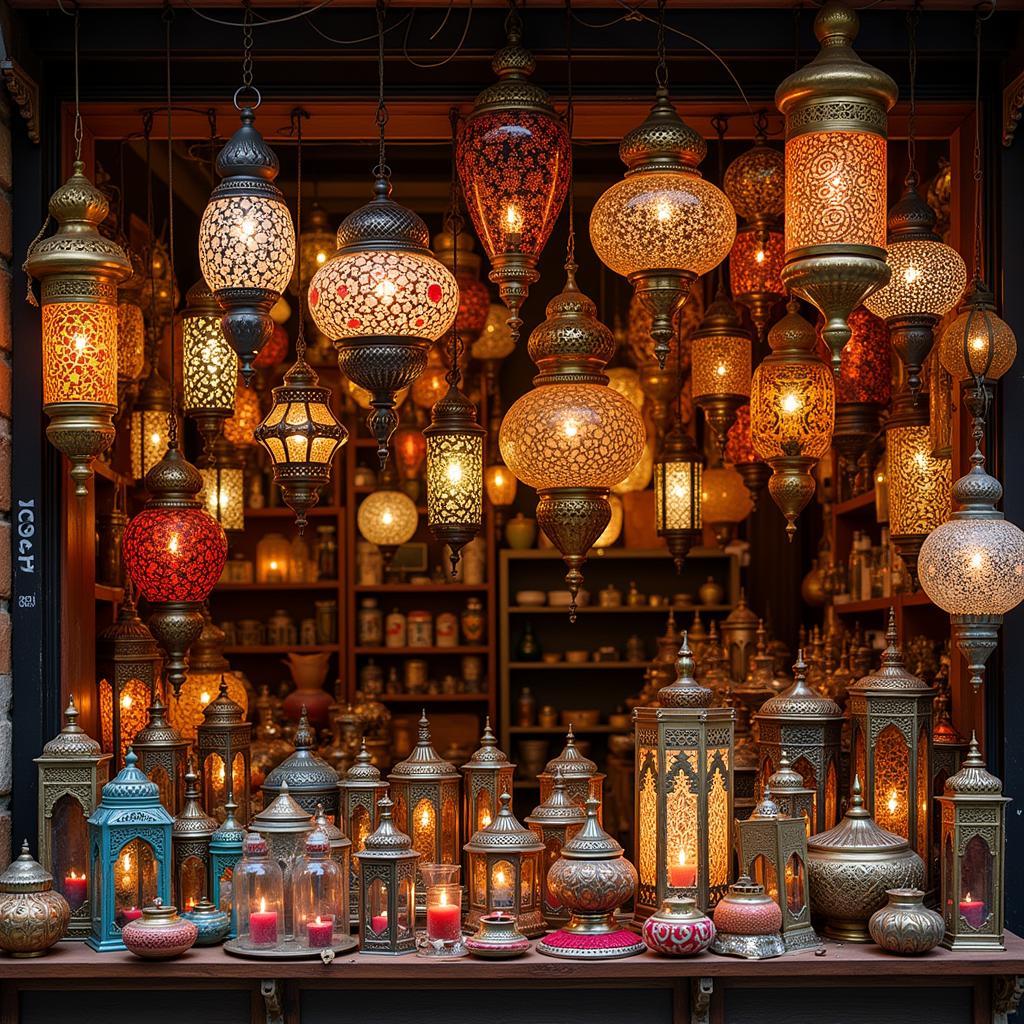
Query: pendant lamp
x,y
223,471
457,254
316,247
978,343
388,518
494,344
131,333
677,493
739,450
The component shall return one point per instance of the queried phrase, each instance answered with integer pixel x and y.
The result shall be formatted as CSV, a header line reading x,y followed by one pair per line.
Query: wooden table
x,y
847,984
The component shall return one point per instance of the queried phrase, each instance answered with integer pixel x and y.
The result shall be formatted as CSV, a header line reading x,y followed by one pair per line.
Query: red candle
x,y
75,889
444,920
320,933
682,875
379,922
263,926
973,911
131,914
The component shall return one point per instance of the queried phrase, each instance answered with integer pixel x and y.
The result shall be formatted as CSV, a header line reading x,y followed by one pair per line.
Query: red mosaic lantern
x,y
739,450
275,350
755,264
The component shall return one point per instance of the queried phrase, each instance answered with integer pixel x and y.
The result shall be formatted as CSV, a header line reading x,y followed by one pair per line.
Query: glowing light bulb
x,y
80,342
978,343
454,472
273,565
425,818
485,819
387,518
513,219
663,211
248,228
759,256
791,403
977,560
155,437
499,877
837,182
126,701
321,257
204,697
571,428
721,369
385,289
892,803
921,461
172,544
911,274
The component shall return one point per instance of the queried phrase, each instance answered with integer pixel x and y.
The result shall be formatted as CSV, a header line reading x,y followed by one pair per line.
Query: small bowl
x,y
577,657
562,598
585,718
530,598
551,657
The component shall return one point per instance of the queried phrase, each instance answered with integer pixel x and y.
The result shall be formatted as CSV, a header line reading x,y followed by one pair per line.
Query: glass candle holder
x,y
442,938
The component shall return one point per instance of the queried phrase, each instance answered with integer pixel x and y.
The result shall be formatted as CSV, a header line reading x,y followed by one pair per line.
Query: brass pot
x,y
32,916
905,925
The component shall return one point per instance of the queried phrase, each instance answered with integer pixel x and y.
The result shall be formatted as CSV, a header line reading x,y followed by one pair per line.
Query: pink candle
x,y
379,922
263,926
682,875
973,911
444,922
131,914
75,889
320,933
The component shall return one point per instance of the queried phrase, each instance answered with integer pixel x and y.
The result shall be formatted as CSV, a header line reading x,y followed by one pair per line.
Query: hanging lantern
x,y
739,450
223,749
431,384
247,241
316,246
474,297
918,484
494,344
361,787
663,225
301,435
410,445
640,478
513,159
148,433
501,485
990,343
191,833
162,755
836,123
240,428
614,527
928,278
131,332
721,366
174,551
725,503
755,266
972,566
489,773
160,295
572,437
209,364
387,518
677,494
792,413
79,271
940,409
223,473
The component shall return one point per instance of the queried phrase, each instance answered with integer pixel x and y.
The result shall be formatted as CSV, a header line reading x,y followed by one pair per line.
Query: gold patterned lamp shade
x,y
792,413
725,501
991,346
663,225
501,485
131,330
495,341
223,473
720,367
240,429
148,430
739,450
387,518
316,244
677,494
836,121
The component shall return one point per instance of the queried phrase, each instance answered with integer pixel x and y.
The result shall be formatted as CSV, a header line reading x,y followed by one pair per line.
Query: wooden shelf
x,y
526,784
420,588
562,666
432,698
856,505
545,609
308,585
404,651
113,595
560,730
882,604
279,648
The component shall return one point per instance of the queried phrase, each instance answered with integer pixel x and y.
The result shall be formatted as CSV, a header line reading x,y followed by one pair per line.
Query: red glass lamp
x,y
739,450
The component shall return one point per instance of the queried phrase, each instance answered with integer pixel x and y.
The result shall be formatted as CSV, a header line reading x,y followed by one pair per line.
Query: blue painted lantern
x,y
225,853
130,849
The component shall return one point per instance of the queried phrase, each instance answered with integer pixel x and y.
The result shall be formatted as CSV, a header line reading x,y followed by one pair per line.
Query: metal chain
x,y
913,16
570,115
720,122
172,418
151,336
513,22
453,218
300,338
78,112
247,46
381,170
978,229
661,71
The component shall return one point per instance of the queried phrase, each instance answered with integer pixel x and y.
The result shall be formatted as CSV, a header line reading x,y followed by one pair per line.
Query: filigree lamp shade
x,y
240,429
316,245
160,294
494,343
162,755
79,271
513,158
919,484
247,241
387,518
430,386
579,774
383,298
148,431
501,485
191,833
224,751
755,268
725,502
685,321
131,330
488,774
739,450
663,225
677,494
209,364
991,344
223,473
928,279
792,413
301,435
474,297
836,120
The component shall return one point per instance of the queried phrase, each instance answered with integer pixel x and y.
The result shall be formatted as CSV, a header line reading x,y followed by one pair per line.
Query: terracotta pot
x,y
309,671
678,928
160,934
905,925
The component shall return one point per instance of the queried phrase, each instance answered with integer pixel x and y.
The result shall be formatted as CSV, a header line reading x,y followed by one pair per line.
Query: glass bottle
x,y
526,708
528,648
370,623
326,553
298,561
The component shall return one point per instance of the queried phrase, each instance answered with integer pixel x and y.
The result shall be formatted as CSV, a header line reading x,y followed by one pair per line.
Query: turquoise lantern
x,y
225,853
130,849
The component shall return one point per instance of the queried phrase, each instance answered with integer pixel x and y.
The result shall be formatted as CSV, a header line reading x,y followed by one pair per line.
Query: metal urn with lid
x,y
747,920
582,779
32,916
308,778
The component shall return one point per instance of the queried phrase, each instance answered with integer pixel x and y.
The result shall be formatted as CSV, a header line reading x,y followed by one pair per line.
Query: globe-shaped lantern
x,y
430,385
494,343
663,225
513,160
725,502
739,451
383,298
989,342
247,241
275,350
388,518
836,117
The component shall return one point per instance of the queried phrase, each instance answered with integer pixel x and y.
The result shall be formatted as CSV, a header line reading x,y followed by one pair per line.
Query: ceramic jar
x,y
678,928
497,938
212,924
747,922
905,925
160,934
520,532
711,592
473,622
32,915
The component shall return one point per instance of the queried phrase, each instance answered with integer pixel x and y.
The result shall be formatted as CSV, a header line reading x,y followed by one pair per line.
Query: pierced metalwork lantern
x,y
739,450
793,798
316,245
191,834
836,124
72,772
725,502
948,751
223,471
772,850
494,344
990,342
79,271
130,854
340,846
387,888
309,778
488,774
240,429
223,749
162,755
580,775
474,296
131,332
148,428
361,788
807,727
739,637
720,366
973,856
678,515
225,851
387,518
683,794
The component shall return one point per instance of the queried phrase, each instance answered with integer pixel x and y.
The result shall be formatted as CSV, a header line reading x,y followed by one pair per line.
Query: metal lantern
x,y
724,502
162,755
455,251
72,772
740,452
677,493
973,856
79,271
772,850
130,854
225,851
948,751
387,888
891,739
223,749
580,775
425,788
505,864
247,241
555,821
147,434
309,778
836,123
989,341
807,727
316,245
131,333
790,795
488,774
684,794
191,833
739,637
222,468
361,787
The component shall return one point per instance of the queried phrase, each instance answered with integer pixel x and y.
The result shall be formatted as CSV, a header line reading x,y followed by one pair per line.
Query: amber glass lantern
x,y
505,863
308,777
316,244
361,787
240,429
973,856
725,502
919,484
148,428
223,738
488,774
223,471
131,333
755,263
792,413
79,270
580,775
891,739
991,346
72,772
474,296
739,451
272,554
191,833
678,489
258,908
387,888
772,850
836,122
387,518
162,755
495,342
683,794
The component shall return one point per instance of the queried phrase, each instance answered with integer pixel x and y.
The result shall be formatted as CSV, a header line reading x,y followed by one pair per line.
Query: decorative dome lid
x,y
504,833
158,732
155,394
663,142
335,837
199,301
741,617
424,761
944,732
793,336
592,842
363,774
206,655
173,482
891,675
193,822
72,741
230,832
488,755
973,779
130,787
387,840
246,163
26,874
857,832
128,636
685,692
302,771
786,778
745,890
558,809
383,224
766,807
283,814
222,710
317,844
570,762
800,701
721,320
910,218
513,64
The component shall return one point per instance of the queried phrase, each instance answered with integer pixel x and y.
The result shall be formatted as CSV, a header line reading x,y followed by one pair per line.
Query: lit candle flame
x,y
682,858
759,256
204,697
387,518
444,898
663,211
126,702
172,544
248,228
263,905
721,369
499,877
425,818
513,219
893,802
81,341
485,819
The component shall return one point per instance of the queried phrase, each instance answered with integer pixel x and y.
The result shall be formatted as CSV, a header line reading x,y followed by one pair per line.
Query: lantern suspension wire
x,y
172,419
913,16
720,122
381,170
78,112
430,65
296,118
570,114
455,222
151,333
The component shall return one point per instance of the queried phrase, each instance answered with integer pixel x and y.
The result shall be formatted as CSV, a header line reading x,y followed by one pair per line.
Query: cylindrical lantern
x,y
223,471
162,755
677,493
147,435
488,774
309,779
790,795
223,748
191,833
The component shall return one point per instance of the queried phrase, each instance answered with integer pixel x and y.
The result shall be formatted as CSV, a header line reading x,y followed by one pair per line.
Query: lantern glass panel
x,y
526,869
449,838
79,353
763,869
168,792
755,264
647,824
680,810
246,242
133,702
131,341
976,882
719,819
191,882
424,831
479,880
320,890
484,812
455,467
891,784
676,487
795,884
360,827
721,365
919,483
224,493
831,796
376,909
135,880
792,408
501,893
210,366
69,845
148,440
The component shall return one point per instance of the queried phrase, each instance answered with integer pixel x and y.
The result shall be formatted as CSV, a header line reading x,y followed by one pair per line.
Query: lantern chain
x,y
247,46
172,418
381,170
78,112
570,117
454,222
296,117
151,333
913,16
661,71
720,122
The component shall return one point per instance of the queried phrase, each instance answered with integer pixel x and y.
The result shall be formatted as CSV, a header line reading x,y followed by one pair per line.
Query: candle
x,y
320,933
379,922
972,911
502,897
263,926
444,919
75,889
682,875
130,914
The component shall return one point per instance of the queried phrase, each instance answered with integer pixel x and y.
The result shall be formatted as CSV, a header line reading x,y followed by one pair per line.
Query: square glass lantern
x,y
793,798
130,854
361,787
224,738
973,855
683,795
191,833
488,774
162,754
225,852
580,774
72,772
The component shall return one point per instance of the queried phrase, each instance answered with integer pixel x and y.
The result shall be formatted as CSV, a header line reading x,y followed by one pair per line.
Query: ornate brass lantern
x,y
678,488
580,774
224,751
772,850
131,333
790,795
684,795
72,772
222,468
836,125
225,851
148,428
948,751
191,833
739,637
162,755
361,788
387,888
807,727
340,845
309,778
973,853
488,774
505,865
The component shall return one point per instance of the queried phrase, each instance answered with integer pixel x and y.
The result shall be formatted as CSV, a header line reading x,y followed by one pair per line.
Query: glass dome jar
x,y
258,889
320,897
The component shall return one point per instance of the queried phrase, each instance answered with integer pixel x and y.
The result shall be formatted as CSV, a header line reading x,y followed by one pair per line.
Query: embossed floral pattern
x,y
79,352
927,277
678,938
246,242
131,341
792,409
